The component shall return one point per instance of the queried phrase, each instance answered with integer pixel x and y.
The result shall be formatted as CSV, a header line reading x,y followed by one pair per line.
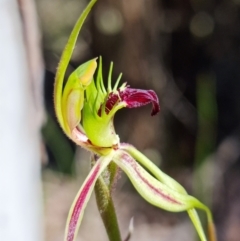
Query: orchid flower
x,y
85,109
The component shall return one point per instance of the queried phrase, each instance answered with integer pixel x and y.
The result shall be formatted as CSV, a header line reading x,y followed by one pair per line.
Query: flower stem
x,y
106,207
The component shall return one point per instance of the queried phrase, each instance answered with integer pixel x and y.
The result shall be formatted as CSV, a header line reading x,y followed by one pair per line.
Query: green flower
x,y
85,110
89,100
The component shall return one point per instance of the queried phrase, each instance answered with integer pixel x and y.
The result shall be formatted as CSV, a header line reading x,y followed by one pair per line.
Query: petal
x,y
159,194
150,166
153,191
133,98
167,180
79,204
192,213
136,98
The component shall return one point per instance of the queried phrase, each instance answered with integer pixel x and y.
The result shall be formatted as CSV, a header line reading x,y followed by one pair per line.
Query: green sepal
x,y
100,130
64,61
73,94
152,190
98,124
171,183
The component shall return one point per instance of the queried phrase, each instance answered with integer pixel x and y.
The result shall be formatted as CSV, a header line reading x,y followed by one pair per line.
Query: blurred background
x,y
188,51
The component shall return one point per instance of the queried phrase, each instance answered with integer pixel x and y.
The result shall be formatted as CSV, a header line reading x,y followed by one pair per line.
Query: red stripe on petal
x,y
156,190
79,205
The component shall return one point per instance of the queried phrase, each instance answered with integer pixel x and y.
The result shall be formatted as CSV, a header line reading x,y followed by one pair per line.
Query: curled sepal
x,y
79,204
64,61
212,232
192,213
171,183
152,190
150,166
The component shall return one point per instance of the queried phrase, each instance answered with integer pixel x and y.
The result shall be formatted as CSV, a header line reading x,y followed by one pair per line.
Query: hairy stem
x,y
106,207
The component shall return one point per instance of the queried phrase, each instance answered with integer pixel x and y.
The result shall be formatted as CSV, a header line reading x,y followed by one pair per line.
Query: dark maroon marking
x,y
133,98
112,100
79,204
136,98
156,190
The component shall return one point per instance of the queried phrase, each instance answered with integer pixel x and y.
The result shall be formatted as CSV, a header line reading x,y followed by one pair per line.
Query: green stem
x,y
106,206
